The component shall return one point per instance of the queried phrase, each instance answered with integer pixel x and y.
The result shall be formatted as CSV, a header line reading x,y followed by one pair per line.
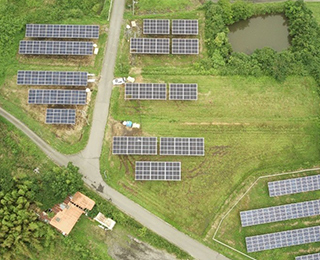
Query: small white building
x,y
106,222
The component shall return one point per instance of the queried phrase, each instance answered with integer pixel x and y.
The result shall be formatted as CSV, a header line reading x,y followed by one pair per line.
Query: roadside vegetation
x,y
259,114
13,98
23,191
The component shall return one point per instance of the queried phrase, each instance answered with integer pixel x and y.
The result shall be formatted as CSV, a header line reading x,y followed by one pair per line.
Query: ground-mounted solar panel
x,y
181,91
156,26
61,116
185,27
283,239
295,185
146,91
280,213
56,48
62,31
315,256
190,146
185,46
57,97
134,145
150,45
57,78
158,171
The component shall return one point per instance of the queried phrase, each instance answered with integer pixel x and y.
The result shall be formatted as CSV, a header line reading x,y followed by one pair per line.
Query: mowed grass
x,y
315,8
156,6
251,126
234,235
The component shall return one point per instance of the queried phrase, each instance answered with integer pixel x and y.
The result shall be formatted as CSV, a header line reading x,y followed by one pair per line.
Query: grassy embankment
x,y
20,157
252,127
13,98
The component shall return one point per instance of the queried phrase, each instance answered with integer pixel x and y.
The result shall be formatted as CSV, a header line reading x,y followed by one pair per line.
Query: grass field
x,y
234,235
13,98
250,125
315,8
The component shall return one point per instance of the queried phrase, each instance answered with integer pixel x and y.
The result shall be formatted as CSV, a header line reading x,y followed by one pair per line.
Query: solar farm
x,y
57,97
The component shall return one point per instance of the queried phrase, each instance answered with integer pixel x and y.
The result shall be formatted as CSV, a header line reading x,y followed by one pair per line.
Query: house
x,y
70,212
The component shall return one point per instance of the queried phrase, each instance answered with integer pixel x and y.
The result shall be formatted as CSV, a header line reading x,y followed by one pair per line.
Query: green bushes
x,y
301,59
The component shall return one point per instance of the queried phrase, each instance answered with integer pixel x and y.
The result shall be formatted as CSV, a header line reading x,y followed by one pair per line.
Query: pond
x,y
259,32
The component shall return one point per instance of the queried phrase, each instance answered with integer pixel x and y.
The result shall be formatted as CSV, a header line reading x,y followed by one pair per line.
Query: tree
x,y
58,183
20,230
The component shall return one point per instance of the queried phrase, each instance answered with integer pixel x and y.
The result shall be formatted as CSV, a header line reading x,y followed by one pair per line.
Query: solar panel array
x,y
296,185
280,213
309,257
185,46
60,78
283,239
183,91
152,91
150,45
156,26
181,146
158,171
134,145
61,116
185,27
62,31
56,47
57,97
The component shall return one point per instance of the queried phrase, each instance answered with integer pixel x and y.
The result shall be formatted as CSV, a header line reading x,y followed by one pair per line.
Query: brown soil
x,y
215,123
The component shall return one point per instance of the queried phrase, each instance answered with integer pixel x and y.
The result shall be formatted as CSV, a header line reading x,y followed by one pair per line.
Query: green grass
x,y
234,235
164,6
13,98
315,8
250,125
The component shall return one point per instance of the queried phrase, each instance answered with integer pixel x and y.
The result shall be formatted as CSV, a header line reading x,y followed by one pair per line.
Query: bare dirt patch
x,y
214,123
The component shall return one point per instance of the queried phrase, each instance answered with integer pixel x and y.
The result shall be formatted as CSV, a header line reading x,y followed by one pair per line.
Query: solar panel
x,y
56,48
185,27
158,171
150,45
283,239
134,145
58,78
292,186
183,91
185,46
57,97
182,146
61,116
152,91
315,256
62,31
156,26
280,213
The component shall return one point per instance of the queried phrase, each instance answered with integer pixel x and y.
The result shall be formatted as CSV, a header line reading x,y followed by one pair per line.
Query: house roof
x,y
82,201
67,218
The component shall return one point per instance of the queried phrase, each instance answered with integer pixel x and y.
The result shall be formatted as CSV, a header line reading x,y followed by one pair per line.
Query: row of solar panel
x,y
133,145
60,116
162,46
56,78
309,257
62,31
162,26
57,97
55,48
158,91
283,239
280,213
158,171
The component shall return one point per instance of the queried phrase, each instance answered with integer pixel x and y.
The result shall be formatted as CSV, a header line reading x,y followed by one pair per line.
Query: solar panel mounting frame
x,y
157,171
174,88
60,116
156,26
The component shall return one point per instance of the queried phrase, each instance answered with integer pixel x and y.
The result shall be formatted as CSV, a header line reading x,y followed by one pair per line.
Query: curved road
x,y
88,159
